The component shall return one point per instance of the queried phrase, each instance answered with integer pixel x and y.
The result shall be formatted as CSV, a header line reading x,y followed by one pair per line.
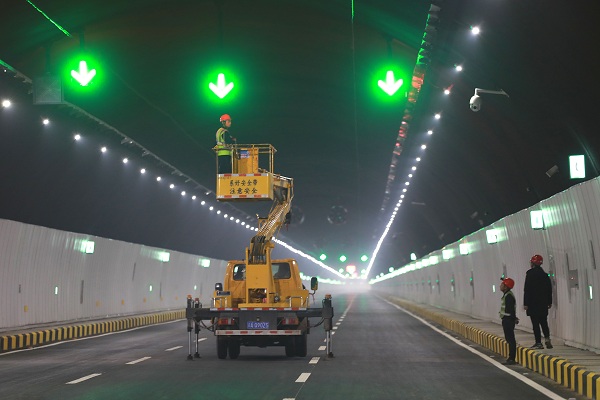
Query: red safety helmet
x,y
537,260
509,283
225,117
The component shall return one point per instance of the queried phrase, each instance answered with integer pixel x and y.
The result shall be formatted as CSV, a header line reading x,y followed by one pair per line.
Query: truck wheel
x,y
301,345
221,347
290,347
234,349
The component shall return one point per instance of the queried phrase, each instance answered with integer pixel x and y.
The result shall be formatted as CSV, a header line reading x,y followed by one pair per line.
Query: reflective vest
x,y
222,149
503,305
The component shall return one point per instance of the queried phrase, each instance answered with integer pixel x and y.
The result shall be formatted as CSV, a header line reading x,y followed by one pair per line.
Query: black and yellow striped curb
x,y
562,371
52,335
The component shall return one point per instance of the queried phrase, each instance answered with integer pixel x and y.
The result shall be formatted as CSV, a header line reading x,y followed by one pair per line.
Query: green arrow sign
x,y
221,89
83,76
390,85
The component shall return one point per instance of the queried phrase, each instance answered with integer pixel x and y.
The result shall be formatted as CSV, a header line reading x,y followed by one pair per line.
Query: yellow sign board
x,y
245,186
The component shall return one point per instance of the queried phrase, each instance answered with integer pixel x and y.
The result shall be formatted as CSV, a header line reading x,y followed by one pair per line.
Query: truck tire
x,y
290,347
301,345
234,349
222,347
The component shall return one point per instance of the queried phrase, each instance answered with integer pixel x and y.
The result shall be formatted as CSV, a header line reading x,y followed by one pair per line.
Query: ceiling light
x,y
202,202
172,186
430,132
446,92
475,30
6,103
437,116
418,159
423,146
143,171
77,136
183,193
194,197
458,68
410,175
103,149
414,168
158,178
125,161
225,216
218,212
45,121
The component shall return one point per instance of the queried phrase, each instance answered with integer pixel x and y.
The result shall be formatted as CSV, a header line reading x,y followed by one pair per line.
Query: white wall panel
x,y
116,277
570,244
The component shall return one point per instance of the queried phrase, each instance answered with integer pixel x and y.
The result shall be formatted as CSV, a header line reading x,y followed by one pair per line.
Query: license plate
x,y
257,324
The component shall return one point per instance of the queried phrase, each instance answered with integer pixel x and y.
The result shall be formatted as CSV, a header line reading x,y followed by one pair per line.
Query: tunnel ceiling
x,y
305,77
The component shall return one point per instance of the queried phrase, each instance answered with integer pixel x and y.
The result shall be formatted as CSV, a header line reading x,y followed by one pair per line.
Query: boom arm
x,y
261,244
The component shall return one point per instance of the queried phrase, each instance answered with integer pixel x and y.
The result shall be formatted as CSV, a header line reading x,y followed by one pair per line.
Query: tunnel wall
x,y
47,276
469,284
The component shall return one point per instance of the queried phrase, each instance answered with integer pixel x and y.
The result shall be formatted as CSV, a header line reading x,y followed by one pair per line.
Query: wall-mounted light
x,y
537,219
464,249
492,236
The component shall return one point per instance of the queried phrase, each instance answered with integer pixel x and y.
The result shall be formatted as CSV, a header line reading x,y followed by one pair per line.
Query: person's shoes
x,y
549,344
509,362
537,346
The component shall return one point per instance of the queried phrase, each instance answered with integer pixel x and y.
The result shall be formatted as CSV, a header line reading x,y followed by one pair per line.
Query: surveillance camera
x,y
475,103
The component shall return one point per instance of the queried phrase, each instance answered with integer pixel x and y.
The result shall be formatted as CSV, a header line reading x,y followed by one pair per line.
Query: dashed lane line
x,y
303,377
138,360
174,348
85,378
321,348
314,360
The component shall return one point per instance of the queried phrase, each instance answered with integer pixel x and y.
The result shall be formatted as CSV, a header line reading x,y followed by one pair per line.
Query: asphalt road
x,y
380,352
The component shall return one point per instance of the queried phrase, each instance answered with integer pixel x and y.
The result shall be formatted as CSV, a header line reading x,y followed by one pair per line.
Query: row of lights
x,y
423,59
104,149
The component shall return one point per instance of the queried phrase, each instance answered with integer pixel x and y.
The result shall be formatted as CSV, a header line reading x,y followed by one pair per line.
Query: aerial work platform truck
x,y
261,302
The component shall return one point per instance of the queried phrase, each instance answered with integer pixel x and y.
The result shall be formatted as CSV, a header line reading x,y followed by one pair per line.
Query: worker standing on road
x,y
537,300
508,314
224,142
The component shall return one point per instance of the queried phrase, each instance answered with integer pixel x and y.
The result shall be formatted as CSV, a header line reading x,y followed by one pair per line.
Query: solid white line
x,y
174,348
85,378
321,348
495,363
303,377
137,361
314,360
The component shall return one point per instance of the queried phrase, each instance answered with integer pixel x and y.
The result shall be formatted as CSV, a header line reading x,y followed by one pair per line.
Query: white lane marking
x,y
89,337
335,327
290,398
495,363
338,323
303,377
332,333
85,378
321,348
138,360
201,339
174,348
314,360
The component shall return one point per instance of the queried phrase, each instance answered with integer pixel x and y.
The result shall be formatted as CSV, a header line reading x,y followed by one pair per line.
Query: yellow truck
x,y
261,302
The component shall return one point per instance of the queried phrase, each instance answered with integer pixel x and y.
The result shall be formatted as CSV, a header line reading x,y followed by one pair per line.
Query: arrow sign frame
x,y
221,89
390,86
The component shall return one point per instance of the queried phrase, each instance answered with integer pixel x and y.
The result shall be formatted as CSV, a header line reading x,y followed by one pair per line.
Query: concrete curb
x,y
67,332
560,370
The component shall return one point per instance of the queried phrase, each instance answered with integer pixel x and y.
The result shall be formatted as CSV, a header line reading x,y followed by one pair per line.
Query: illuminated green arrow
x,y
391,85
221,89
83,76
